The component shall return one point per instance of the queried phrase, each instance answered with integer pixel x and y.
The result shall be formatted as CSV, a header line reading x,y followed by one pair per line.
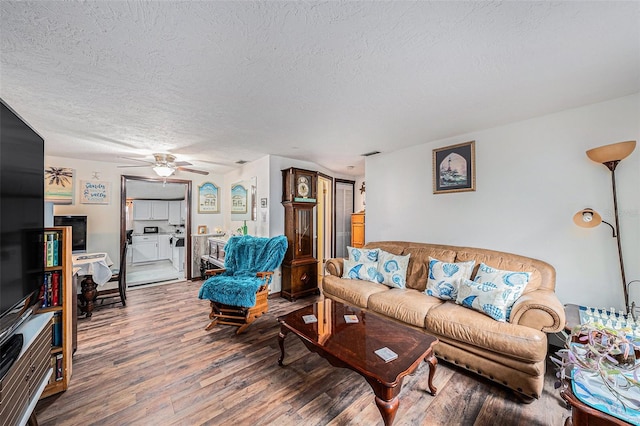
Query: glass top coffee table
x,y
353,345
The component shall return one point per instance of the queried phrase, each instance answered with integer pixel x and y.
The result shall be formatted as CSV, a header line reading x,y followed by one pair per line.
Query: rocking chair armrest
x,y
264,274
213,272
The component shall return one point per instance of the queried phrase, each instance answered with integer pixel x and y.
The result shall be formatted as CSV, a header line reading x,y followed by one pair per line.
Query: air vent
x,y
241,162
369,154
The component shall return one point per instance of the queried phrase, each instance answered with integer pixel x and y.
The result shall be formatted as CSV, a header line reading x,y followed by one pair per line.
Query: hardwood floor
x,y
152,362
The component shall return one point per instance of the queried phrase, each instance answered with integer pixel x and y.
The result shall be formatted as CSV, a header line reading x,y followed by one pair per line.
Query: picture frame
x,y
95,192
202,229
239,198
208,198
454,168
58,185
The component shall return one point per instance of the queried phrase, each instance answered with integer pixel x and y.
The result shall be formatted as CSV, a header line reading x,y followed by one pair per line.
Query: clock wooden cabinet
x,y
299,267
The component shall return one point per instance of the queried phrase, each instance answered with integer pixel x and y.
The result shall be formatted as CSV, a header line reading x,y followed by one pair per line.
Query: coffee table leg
x,y
388,409
433,363
281,336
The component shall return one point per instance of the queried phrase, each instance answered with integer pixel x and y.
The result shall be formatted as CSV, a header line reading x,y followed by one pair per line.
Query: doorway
x,y
325,222
155,222
344,204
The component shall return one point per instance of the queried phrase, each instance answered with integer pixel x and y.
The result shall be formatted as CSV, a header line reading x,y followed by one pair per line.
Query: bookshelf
x,y
57,298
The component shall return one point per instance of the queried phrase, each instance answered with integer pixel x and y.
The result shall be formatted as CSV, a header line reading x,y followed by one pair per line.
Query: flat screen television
x,y
21,219
78,226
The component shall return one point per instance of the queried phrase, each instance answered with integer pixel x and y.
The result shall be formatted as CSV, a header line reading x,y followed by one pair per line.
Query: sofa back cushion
x,y
418,269
543,275
510,262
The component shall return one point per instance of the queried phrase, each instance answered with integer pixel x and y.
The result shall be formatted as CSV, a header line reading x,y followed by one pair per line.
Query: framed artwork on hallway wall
x,y
208,198
454,168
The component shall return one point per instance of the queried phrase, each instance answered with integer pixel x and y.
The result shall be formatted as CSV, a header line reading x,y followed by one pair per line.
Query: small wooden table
x,y
581,413
353,346
95,269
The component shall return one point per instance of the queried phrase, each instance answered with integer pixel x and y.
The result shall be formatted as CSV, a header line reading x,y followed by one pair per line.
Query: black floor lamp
x,y
610,156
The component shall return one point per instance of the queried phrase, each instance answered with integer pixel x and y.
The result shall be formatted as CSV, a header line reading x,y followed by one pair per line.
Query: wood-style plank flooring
x,y
152,363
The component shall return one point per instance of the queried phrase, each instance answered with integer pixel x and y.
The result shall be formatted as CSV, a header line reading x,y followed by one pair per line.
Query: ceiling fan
x,y
165,165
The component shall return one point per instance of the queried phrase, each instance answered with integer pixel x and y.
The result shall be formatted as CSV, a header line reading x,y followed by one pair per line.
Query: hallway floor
x,y
152,272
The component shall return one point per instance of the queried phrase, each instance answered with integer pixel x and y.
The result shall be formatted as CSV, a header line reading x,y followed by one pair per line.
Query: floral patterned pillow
x,y
444,278
493,291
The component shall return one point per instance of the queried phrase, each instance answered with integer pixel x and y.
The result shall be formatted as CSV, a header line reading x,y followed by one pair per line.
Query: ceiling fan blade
x,y
137,159
184,169
146,165
182,163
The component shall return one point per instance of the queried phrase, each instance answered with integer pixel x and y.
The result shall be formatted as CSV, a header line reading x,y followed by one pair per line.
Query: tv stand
x,y
26,379
9,352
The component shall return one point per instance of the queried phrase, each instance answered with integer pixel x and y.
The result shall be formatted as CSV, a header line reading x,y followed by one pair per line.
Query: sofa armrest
x,y
334,266
540,309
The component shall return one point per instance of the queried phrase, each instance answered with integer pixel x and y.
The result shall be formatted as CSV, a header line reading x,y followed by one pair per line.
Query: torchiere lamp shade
x,y
587,218
612,152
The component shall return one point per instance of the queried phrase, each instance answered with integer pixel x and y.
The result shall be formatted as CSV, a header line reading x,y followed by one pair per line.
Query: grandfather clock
x,y
299,267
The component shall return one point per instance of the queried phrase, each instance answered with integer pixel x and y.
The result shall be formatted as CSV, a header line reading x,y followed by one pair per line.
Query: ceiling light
x,y
163,170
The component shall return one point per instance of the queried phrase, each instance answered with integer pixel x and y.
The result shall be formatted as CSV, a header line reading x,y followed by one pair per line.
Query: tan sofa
x,y
512,353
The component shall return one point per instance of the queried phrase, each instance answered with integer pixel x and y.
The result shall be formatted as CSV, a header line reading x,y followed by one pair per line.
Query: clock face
x,y
303,186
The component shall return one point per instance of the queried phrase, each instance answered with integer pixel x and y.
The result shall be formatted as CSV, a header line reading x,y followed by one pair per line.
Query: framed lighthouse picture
x,y
454,168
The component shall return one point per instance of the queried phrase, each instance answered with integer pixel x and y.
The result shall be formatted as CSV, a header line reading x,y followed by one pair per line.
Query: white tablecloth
x,y
95,264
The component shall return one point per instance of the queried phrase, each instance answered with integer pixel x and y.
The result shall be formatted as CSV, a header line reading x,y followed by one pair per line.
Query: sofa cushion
x,y
406,305
492,298
444,277
476,329
360,270
354,292
392,269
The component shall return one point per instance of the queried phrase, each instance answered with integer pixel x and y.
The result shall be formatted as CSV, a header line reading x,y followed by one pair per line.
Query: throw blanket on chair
x,y
244,257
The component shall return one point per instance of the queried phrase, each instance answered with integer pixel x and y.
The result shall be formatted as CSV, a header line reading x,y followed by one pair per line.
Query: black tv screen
x,y
78,231
21,218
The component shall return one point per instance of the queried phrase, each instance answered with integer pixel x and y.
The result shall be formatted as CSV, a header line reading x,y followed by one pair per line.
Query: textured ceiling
x,y
216,82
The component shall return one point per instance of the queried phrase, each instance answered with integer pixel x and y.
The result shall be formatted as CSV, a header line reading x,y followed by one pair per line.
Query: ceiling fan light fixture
x,y
164,170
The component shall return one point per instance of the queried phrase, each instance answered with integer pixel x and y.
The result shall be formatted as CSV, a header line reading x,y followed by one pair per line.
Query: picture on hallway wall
x,y
58,185
238,199
454,168
208,198
95,192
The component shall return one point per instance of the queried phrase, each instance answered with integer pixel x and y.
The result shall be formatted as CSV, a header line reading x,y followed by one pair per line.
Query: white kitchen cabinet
x,y
177,212
144,248
164,247
150,210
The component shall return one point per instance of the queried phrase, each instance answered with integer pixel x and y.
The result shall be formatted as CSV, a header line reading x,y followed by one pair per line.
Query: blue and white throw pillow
x,y
363,255
444,277
493,291
392,269
359,270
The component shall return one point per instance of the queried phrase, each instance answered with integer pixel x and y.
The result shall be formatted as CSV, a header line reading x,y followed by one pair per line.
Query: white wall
x,y
532,177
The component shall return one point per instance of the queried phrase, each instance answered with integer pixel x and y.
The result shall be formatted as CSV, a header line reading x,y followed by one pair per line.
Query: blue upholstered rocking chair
x,y
238,292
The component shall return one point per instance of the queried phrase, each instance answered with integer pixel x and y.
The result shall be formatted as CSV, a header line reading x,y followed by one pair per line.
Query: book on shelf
x,y
51,289
56,300
51,249
52,365
56,327
59,368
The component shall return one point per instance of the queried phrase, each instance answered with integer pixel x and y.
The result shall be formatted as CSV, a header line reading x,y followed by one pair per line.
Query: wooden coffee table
x,y
353,346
